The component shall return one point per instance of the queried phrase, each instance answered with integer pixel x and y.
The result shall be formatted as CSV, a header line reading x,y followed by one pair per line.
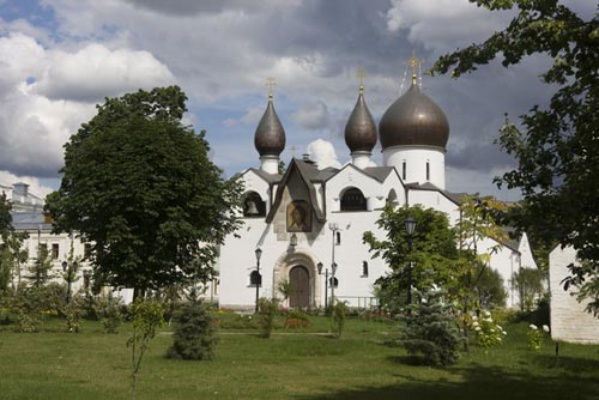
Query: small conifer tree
x,y
194,335
432,331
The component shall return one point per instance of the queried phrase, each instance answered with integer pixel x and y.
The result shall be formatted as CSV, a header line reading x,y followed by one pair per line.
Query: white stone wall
x,y
416,158
569,321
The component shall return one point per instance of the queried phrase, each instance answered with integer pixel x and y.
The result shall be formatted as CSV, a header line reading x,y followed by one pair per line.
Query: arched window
x,y
364,268
255,278
253,206
353,200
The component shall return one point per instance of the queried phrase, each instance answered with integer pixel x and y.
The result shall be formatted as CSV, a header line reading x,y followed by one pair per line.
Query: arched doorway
x,y
299,280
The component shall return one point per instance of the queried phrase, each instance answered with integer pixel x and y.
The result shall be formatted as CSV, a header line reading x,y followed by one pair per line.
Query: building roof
x,y
360,130
269,138
414,119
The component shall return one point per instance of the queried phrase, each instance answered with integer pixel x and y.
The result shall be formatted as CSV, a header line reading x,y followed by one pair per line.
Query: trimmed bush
x,y
432,332
194,333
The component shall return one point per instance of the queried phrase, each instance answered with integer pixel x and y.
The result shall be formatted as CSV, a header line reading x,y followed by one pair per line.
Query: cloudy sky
x,y
58,58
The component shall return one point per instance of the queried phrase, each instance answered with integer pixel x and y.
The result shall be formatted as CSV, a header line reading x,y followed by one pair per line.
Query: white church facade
x,y
310,221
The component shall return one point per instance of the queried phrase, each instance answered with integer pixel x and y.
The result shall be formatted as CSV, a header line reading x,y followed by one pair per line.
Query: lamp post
x,y
334,227
69,270
410,228
87,276
258,253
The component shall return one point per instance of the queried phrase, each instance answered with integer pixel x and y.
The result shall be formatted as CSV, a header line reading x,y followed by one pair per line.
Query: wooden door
x,y
299,280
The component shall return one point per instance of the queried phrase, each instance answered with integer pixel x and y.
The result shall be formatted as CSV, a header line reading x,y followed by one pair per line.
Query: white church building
x,y
305,227
307,224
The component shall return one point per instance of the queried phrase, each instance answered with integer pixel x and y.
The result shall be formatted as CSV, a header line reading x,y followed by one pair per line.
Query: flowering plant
x,y
535,336
488,333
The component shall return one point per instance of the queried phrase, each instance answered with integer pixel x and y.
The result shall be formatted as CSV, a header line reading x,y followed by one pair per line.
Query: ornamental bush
x,y
268,309
432,331
488,333
339,313
535,336
109,312
194,334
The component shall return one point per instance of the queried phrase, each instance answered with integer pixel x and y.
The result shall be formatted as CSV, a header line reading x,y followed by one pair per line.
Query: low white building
x,y
569,320
311,219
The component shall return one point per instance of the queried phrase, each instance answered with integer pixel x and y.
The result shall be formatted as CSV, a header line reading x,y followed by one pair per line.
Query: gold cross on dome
x,y
361,74
271,83
415,64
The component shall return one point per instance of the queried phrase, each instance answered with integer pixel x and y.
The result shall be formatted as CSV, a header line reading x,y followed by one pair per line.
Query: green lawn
x,y
290,365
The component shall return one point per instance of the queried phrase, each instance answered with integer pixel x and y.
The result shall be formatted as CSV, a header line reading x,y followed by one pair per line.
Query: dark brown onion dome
x,y
414,119
360,130
269,138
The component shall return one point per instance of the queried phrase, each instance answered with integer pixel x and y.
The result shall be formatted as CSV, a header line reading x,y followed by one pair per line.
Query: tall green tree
x,y
138,184
40,270
14,257
431,259
477,223
556,144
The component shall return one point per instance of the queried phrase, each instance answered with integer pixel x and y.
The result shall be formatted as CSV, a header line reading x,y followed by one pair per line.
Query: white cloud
x,y
95,72
441,25
323,153
252,116
313,116
46,93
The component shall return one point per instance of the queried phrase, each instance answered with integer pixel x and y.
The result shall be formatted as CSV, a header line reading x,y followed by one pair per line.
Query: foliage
x,y
268,309
70,274
32,303
285,288
432,331
12,258
339,313
147,317
432,255
488,332
535,336
528,282
194,336
108,310
39,272
489,288
73,311
555,144
297,319
477,222
140,186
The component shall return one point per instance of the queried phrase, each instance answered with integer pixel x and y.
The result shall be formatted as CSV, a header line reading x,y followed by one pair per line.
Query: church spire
x,y
415,64
360,130
269,138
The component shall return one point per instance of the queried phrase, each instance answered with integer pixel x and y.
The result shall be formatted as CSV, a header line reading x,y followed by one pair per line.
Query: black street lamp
x,y
334,227
410,228
326,283
258,276
69,270
87,276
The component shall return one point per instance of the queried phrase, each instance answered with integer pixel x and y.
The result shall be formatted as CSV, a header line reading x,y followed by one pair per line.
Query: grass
x,y
293,364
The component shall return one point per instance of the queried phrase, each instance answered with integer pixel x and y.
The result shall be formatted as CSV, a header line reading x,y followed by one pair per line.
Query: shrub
x,y
73,313
194,334
488,333
432,332
109,312
268,309
339,313
535,336
297,319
